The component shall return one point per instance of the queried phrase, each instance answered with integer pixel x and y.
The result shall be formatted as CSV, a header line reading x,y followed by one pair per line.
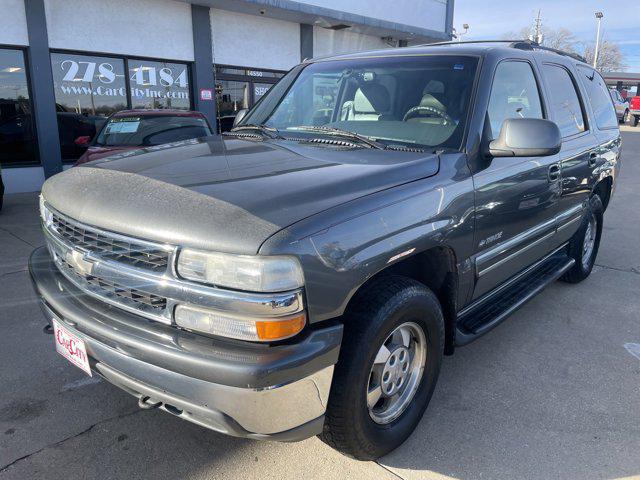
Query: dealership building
x,y
65,65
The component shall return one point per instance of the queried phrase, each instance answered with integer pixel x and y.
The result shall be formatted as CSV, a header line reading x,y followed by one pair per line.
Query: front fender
x,y
361,238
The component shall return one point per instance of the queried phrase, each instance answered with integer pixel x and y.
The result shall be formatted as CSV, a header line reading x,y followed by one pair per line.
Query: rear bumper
x,y
256,391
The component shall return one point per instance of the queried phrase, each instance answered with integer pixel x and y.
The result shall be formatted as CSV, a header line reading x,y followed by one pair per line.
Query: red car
x,y
132,129
634,109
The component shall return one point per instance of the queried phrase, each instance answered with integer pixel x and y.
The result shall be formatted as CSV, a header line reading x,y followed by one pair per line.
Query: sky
x,y
491,19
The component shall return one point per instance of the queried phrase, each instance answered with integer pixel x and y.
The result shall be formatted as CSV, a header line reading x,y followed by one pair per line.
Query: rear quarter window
x,y
564,102
599,97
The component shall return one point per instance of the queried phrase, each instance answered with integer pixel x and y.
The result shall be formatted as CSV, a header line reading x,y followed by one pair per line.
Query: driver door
x,y
516,198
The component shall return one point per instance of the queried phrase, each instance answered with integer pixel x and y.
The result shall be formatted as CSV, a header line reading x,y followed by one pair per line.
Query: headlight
x,y
254,329
241,272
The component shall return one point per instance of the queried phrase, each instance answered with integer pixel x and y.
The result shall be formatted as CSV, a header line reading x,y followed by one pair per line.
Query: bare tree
x,y
609,57
561,39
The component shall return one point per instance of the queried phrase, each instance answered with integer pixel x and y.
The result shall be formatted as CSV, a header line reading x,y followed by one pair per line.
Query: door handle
x,y
554,173
593,159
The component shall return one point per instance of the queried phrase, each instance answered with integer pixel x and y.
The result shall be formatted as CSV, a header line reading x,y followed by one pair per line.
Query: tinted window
x,y
598,93
87,90
514,94
564,103
151,130
17,139
159,85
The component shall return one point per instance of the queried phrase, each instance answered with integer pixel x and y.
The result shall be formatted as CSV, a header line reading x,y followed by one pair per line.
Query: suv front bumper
x,y
266,392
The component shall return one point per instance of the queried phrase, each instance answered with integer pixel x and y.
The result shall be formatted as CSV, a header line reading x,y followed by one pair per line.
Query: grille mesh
x,y
129,253
134,297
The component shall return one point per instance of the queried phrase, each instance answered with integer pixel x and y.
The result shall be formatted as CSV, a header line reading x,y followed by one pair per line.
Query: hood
x,y
225,194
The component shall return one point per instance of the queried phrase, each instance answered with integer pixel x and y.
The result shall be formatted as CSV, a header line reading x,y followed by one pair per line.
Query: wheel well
x,y
603,189
436,269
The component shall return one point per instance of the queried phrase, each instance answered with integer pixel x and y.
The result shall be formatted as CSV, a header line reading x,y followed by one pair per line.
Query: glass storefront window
x,y
17,139
231,96
87,90
259,89
159,85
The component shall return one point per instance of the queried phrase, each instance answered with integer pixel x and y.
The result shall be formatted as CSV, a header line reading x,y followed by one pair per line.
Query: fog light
x,y
255,329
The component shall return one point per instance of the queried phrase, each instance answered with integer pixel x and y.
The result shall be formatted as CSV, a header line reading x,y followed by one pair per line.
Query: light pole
x,y
599,16
459,35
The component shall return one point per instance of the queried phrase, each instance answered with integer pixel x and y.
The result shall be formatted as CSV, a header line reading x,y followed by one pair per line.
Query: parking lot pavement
x,y
551,393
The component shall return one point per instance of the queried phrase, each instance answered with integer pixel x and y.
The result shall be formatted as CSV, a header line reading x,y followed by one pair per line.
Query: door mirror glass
x,y
526,137
239,116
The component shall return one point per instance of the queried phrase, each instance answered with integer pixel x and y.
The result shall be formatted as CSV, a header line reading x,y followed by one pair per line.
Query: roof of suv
x,y
479,48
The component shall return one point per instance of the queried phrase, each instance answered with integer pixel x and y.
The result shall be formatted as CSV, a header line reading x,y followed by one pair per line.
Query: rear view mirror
x,y
526,137
239,116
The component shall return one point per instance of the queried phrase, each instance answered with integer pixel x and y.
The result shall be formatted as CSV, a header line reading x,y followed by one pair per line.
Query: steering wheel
x,y
414,111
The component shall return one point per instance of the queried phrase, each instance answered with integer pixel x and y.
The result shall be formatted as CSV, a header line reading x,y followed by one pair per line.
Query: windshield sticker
x,y
458,66
122,127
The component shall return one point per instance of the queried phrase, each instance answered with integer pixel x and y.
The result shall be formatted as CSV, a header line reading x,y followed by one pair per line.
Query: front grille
x,y
129,253
129,296
91,258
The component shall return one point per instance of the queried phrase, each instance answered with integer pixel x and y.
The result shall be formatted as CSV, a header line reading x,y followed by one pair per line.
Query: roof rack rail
x,y
530,45
520,44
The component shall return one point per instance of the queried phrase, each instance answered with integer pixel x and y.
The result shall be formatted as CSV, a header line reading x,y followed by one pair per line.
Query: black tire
x,y
636,120
583,266
386,304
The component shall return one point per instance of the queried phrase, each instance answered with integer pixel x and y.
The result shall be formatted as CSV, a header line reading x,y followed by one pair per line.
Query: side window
x,y
514,94
598,93
564,103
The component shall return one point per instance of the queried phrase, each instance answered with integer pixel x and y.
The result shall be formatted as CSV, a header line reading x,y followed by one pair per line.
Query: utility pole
x,y
537,36
599,16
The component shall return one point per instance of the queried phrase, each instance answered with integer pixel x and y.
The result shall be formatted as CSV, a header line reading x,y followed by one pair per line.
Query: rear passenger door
x,y
516,198
578,155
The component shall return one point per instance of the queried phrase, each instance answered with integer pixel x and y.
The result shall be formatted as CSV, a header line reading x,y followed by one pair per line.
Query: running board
x,y
493,308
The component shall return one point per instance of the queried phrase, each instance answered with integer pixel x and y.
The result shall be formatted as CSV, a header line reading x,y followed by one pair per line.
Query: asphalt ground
x,y
554,392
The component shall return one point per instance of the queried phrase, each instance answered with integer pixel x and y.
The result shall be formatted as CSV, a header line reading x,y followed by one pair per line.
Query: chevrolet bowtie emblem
x,y
79,264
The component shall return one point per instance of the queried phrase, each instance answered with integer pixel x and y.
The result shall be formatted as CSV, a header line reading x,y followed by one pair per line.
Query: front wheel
x,y
389,363
583,247
626,117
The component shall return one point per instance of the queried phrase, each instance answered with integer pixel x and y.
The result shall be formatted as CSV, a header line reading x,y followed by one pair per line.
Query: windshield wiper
x,y
270,132
340,133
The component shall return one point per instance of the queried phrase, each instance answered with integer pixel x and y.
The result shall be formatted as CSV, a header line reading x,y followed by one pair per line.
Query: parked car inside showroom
x,y
133,129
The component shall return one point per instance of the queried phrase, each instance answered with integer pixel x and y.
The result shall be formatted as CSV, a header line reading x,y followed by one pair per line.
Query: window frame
x,y
536,78
579,93
232,77
37,161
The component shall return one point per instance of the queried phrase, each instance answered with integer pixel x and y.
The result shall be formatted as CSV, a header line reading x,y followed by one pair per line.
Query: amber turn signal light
x,y
280,329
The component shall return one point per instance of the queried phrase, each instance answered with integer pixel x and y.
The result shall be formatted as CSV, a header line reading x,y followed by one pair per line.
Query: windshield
x,y
137,130
416,100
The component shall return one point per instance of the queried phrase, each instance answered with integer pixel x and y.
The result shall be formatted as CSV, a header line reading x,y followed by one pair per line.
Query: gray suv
x,y
305,273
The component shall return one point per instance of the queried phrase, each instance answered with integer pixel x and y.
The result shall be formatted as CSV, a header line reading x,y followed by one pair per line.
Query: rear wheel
x,y
389,363
636,119
583,247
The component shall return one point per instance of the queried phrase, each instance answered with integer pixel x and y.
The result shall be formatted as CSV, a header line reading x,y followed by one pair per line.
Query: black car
x,y
305,273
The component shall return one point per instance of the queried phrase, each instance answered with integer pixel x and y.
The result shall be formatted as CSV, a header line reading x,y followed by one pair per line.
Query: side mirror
x,y
83,141
239,116
526,137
